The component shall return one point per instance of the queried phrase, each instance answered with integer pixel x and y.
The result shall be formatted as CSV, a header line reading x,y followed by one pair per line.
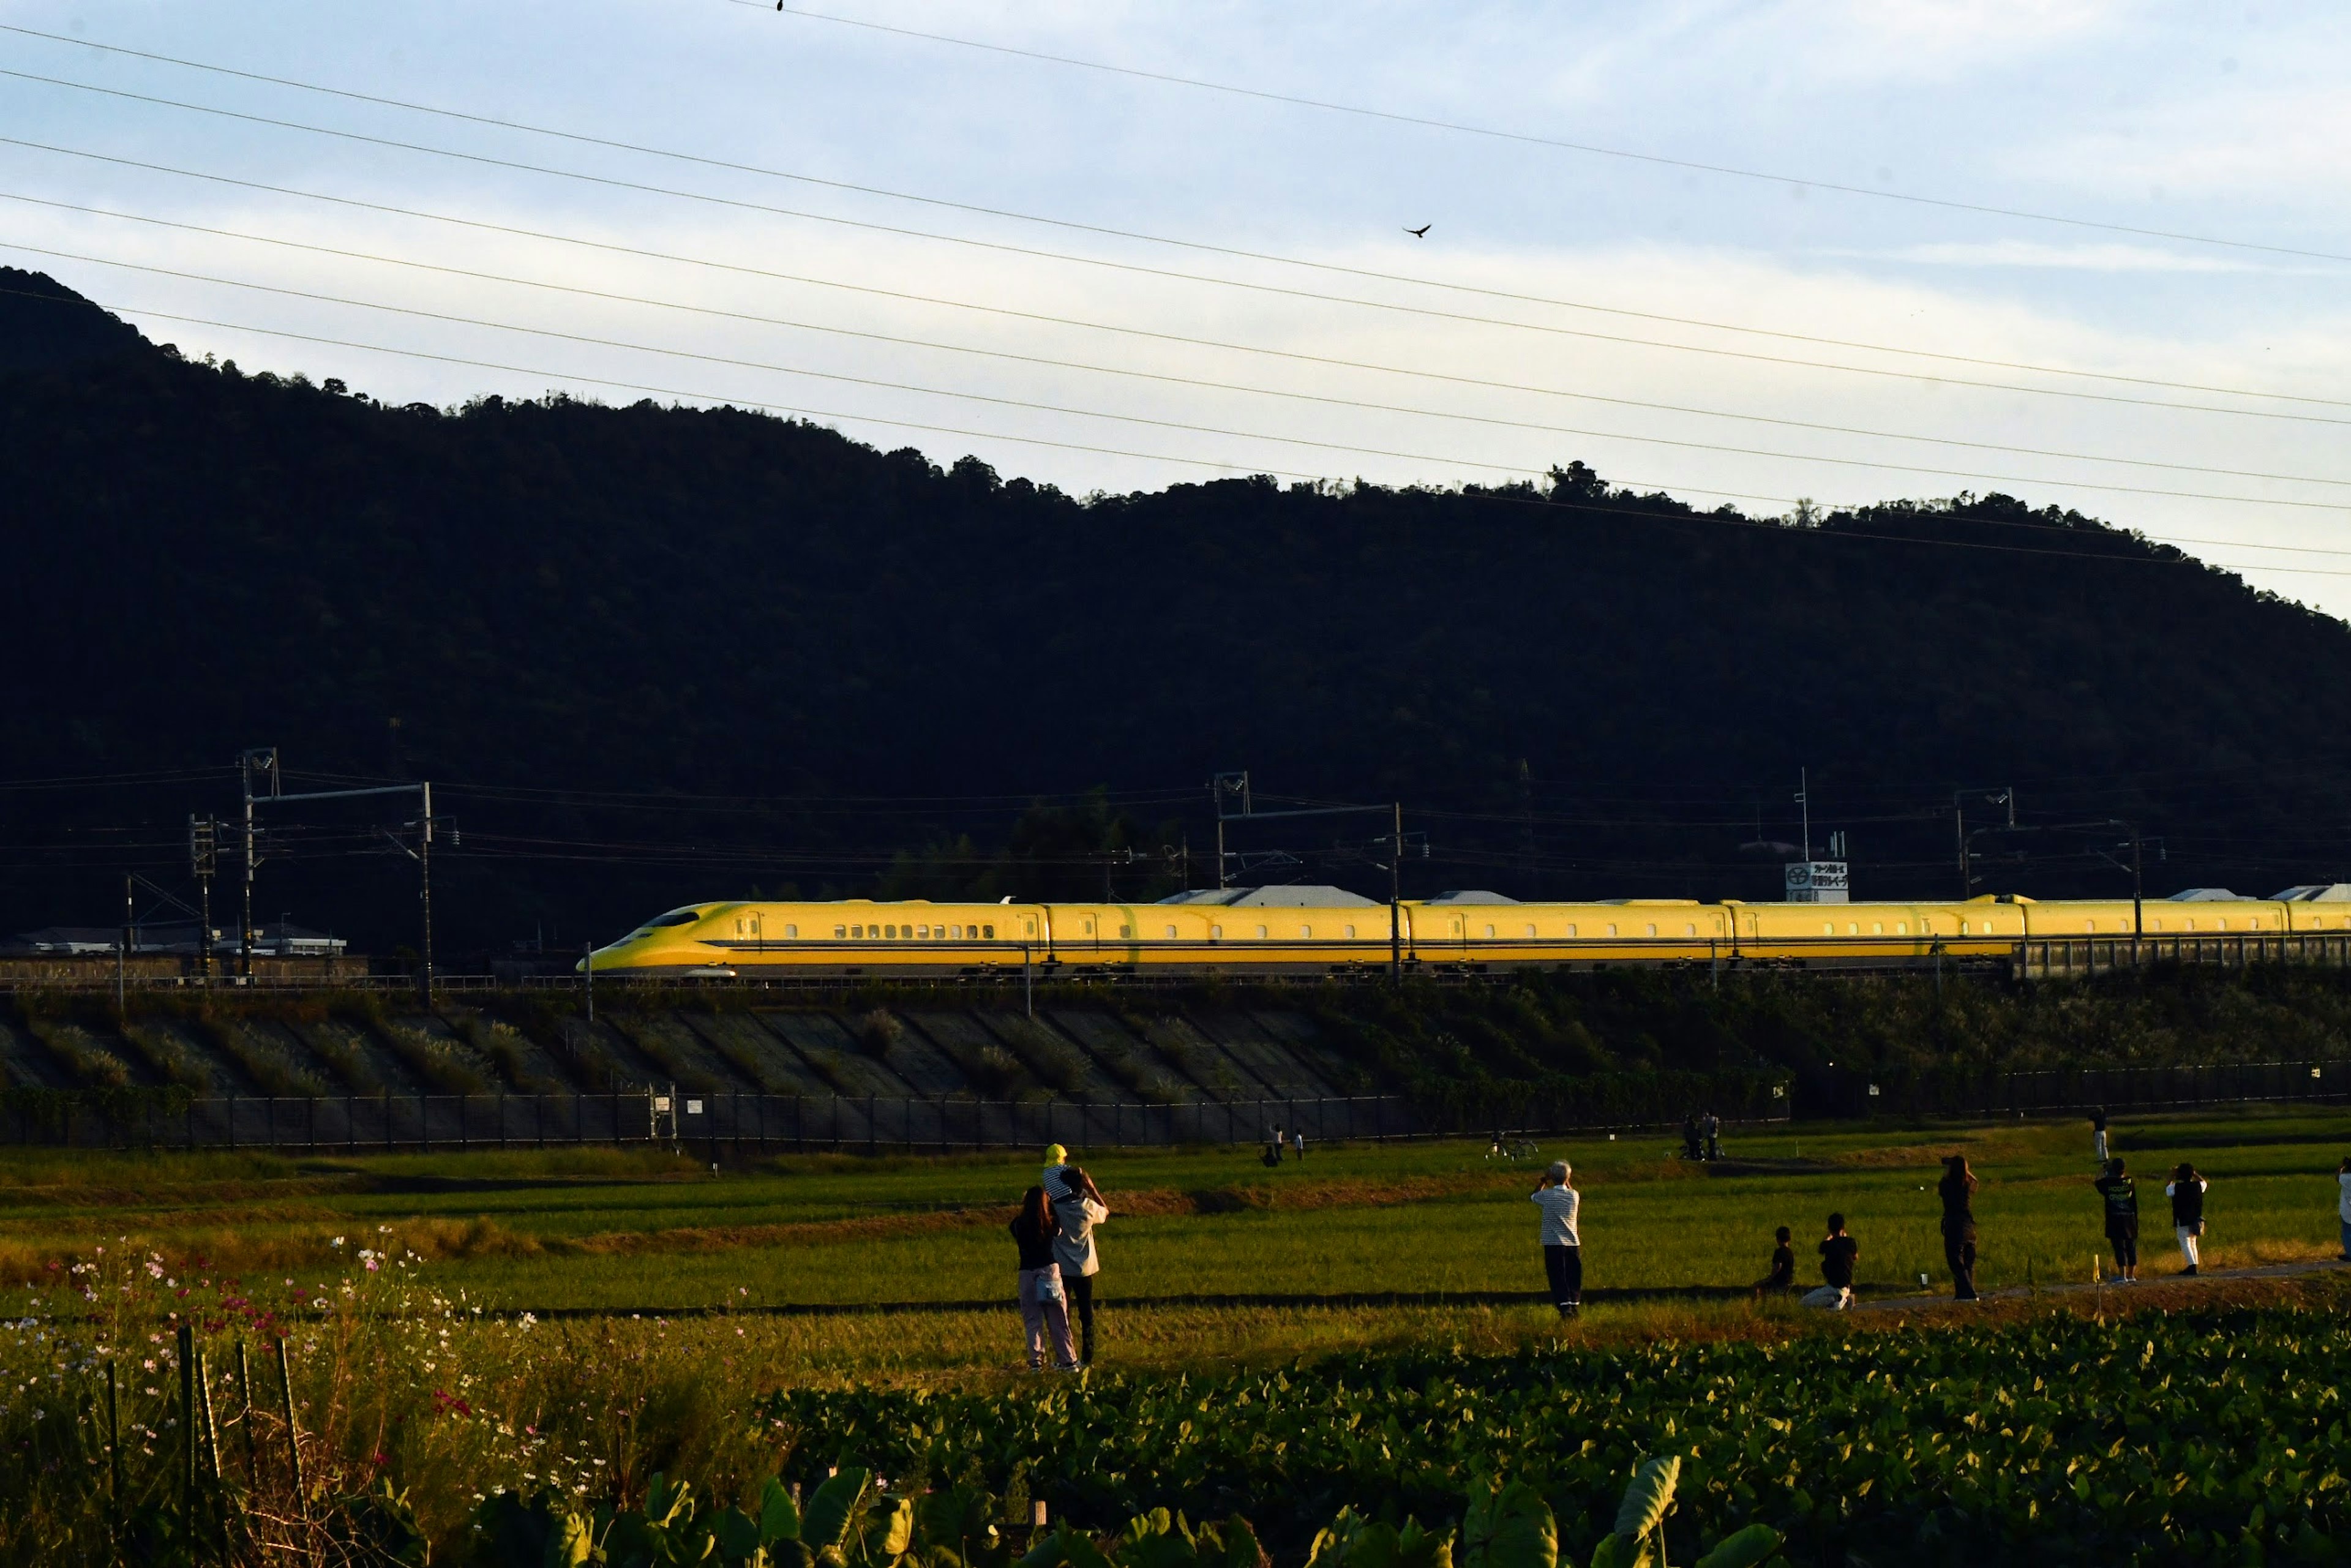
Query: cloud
x,y
2100,256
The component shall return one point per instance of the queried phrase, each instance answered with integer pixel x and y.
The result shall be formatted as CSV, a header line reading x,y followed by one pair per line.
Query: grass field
x,y
645,1232
1215,1267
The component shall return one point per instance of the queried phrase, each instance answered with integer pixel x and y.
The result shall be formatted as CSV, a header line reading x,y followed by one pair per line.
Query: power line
x,y
1715,519
1113,231
1204,383
1593,149
1187,426
1164,273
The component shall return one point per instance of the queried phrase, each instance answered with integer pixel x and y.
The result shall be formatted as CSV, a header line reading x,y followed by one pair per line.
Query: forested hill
x,y
563,595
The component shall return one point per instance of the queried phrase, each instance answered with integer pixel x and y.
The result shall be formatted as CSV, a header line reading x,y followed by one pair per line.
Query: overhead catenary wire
x,y
1391,307
1593,149
1692,518
1352,448
1110,231
1124,371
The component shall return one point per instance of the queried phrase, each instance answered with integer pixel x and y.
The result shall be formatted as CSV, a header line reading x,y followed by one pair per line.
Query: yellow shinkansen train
x,y
1306,931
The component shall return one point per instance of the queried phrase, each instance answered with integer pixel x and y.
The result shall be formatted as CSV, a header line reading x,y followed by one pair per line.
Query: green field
x,y
644,1232
1406,1268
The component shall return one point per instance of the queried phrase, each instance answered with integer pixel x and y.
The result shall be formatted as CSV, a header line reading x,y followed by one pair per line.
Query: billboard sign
x,y
1817,881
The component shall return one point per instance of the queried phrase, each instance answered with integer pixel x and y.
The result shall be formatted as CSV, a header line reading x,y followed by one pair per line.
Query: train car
x,y
1323,931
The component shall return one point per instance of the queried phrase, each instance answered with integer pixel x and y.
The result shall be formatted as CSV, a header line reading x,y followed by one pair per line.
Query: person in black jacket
x,y
1958,1191
1044,1303
1838,1252
2186,1191
2121,1196
1782,1277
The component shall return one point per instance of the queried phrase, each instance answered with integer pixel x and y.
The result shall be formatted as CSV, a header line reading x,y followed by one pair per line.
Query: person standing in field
x,y
2098,1133
2186,1191
1692,1147
2343,1209
1839,1252
1055,1175
1562,1244
1298,1143
2121,1196
1076,1215
1042,1308
1782,1277
1713,1136
1958,1191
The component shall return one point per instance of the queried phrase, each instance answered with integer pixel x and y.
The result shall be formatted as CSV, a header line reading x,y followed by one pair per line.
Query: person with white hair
x,y
1562,1246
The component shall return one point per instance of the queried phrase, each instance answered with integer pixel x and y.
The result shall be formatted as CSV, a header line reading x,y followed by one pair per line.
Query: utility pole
x,y
255,759
424,891
1804,799
265,758
122,953
1395,901
1222,786
1526,829
2003,796
2138,894
588,973
203,858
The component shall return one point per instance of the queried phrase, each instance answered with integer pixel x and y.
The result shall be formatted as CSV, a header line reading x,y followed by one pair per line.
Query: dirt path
x,y
2169,1286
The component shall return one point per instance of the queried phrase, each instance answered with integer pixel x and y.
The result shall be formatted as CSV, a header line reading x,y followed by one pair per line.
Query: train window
x,y
1260,932
791,933
1689,930
1571,931
1029,927
987,933
1612,931
1531,930
1351,933
2188,926
1902,928
2221,923
1090,924
2156,923
1125,932
922,933
1171,933
1490,931
840,932
1305,931
1877,928
1215,932
1853,928
889,932
1828,930
1963,927
1653,931
678,918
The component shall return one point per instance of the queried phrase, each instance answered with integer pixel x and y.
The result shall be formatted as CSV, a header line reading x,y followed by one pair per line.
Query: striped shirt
x,y
1559,1205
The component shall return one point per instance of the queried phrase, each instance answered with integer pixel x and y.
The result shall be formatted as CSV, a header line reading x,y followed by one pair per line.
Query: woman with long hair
x,y
2186,1191
1043,1304
1958,1191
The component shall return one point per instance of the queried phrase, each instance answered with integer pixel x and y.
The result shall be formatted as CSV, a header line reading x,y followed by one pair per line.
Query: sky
x,y
2091,254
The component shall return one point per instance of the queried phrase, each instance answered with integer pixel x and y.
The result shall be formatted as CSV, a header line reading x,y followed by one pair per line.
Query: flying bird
x,y
1420,233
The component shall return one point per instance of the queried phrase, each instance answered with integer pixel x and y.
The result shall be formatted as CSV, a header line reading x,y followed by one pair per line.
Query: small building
x,y
280,939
